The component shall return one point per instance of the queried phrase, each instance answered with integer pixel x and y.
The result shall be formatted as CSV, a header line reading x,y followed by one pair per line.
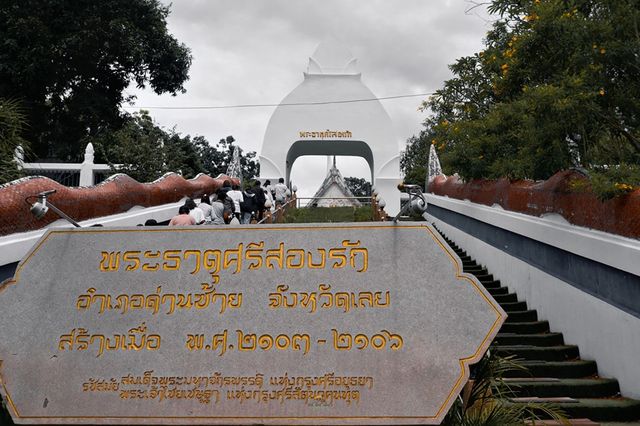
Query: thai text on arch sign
x,y
313,324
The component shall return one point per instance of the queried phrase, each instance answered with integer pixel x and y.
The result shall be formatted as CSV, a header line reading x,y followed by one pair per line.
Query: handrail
x,y
282,208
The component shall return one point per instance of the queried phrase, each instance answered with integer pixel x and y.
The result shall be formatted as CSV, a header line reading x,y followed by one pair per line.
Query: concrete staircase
x,y
556,373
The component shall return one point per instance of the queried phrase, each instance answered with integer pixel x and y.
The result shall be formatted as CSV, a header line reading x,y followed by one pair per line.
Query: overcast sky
x,y
255,51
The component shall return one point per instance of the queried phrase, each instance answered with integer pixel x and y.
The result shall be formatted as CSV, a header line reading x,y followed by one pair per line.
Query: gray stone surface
x,y
343,362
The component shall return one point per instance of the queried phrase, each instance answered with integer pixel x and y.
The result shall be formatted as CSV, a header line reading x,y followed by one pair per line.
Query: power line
x,y
345,101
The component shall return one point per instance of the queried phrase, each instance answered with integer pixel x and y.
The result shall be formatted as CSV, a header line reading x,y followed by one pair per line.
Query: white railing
x,y
87,168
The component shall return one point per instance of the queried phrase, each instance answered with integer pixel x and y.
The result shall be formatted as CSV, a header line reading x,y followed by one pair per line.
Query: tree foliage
x,y
359,187
145,151
556,86
486,401
69,63
12,124
216,159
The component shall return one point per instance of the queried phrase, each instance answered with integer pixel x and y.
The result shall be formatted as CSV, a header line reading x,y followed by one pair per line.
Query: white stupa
x,y
325,115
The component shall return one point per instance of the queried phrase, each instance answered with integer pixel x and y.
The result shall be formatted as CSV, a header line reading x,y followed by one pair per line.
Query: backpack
x,y
249,203
259,197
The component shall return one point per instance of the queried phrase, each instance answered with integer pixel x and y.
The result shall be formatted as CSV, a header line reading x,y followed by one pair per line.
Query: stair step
x,y
541,339
525,327
603,409
475,269
552,353
567,422
492,284
561,369
498,291
504,298
465,258
484,277
514,306
469,263
574,388
522,316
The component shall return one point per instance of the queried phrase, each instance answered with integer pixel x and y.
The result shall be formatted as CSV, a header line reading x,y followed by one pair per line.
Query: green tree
x,y
12,123
555,86
216,159
359,187
69,63
182,155
145,151
136,149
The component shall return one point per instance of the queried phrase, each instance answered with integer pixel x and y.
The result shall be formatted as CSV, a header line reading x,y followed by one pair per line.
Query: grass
x,y
329,215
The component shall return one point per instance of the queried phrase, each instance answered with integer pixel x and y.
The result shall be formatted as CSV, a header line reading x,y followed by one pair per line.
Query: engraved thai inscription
x,y
306,325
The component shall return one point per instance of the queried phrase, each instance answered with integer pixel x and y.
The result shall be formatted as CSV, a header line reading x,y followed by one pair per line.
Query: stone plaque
x,y
313,324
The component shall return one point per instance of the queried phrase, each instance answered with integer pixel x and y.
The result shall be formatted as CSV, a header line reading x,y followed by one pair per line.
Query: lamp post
x,y
417,203
41,207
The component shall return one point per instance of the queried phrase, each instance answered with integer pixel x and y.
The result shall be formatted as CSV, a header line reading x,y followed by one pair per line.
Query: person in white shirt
x,y
268,194
281,192
236,195
205,206
194,211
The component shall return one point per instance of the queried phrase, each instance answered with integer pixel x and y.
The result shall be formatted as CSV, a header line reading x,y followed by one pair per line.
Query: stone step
x,y
492,284
469,263
574,388
541,339
504,298
525,327
603,409
523,316
567,422
514,306
484,277
562,369
475,269
540,353
498,291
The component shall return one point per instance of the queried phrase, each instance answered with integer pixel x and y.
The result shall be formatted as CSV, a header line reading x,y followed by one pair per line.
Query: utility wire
x,y
345,101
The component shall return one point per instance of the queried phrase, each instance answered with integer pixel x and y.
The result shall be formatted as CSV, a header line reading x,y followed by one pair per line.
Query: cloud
x,y
248,51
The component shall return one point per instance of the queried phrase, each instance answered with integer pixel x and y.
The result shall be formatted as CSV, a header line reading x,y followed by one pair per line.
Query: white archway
x,y
316,125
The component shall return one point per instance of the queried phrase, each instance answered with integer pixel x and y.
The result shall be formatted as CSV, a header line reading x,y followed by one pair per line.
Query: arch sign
x,y
309,122
335,324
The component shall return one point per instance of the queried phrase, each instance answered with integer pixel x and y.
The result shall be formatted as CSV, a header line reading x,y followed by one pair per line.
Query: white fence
x,y
87,168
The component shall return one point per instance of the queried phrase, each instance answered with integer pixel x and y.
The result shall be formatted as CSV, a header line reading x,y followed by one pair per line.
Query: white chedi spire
x,y
332,58
235,169
434,168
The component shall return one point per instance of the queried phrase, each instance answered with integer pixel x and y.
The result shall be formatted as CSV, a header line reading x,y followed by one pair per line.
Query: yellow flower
x,y
433,141
603,51
624,187
602,92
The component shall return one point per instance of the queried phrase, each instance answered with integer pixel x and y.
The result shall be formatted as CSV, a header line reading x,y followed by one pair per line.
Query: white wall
x,y
13,247
603,332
